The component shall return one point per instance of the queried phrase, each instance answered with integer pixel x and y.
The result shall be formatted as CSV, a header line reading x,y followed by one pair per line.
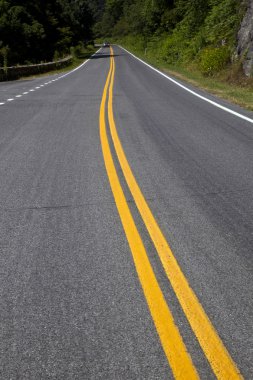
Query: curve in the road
x,y
214,349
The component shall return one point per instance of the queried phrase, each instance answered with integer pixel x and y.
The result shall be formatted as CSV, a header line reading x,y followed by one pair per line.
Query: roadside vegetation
x,y
228,83
35,31
193,40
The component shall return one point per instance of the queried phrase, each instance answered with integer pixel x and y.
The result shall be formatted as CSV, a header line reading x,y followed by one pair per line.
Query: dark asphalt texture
x,y
71,305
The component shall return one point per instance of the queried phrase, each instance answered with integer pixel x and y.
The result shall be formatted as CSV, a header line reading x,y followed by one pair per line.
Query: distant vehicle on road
x,y
106,44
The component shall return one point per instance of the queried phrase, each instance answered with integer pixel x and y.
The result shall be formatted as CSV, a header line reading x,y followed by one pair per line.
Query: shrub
x,y
78,50
174,47
57,56
212,60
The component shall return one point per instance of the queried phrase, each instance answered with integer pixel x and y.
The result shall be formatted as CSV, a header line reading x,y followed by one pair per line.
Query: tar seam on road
x,y
191,91
214,349
171,340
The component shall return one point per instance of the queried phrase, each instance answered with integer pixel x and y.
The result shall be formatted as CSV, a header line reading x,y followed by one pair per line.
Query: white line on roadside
x,y
191,91
51,81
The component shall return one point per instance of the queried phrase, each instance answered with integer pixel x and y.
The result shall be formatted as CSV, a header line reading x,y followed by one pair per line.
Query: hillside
x,y
199,32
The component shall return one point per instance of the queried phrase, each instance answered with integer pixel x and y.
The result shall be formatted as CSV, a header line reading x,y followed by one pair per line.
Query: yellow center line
x,y
214,349
171,340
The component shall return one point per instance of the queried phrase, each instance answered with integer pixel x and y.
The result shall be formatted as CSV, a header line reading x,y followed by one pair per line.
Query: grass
x,y
218,85
230,84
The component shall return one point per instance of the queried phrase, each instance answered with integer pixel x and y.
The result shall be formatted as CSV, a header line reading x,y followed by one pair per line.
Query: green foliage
x,y
57,55
212,60
34,29
121,28
193,16
65,36
4,52
177,31
223,21
78,50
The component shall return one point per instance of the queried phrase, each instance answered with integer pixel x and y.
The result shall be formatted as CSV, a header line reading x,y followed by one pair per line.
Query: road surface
x,y
126,228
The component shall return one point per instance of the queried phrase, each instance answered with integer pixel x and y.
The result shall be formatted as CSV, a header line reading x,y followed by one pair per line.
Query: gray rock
x,y
245,40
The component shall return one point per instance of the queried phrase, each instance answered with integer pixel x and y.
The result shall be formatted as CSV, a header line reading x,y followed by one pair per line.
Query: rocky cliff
x,y
245,40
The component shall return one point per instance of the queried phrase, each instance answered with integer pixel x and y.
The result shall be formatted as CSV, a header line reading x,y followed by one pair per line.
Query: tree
x,y
34,29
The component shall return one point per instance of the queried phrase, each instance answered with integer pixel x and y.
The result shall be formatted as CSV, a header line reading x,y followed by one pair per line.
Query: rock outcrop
x,y
245,40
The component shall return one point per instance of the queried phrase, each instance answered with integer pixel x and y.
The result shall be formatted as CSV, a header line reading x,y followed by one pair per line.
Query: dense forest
x,y
174,30
41,30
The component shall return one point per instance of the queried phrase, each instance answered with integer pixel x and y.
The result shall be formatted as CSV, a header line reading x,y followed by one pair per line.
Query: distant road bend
x,y
126,227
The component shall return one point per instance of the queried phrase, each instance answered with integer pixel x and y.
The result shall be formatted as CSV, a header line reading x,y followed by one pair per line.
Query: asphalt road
x,y
71,303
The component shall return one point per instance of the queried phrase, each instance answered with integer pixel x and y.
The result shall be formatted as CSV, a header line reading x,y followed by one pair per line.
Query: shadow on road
x,y
98,56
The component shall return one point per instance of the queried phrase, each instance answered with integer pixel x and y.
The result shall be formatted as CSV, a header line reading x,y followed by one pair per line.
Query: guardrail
x,y
16,72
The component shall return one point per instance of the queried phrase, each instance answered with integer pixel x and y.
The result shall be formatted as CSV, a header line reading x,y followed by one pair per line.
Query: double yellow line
x,y
171,340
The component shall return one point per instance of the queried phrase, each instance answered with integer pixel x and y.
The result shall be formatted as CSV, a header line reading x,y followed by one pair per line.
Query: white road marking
x,y
53,80
193,92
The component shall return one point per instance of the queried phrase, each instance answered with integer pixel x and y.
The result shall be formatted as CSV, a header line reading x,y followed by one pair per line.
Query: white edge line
x,y
191,91
77,68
